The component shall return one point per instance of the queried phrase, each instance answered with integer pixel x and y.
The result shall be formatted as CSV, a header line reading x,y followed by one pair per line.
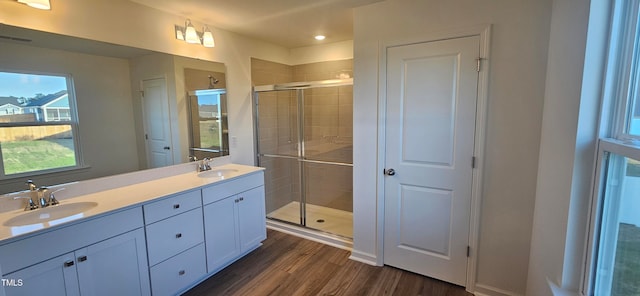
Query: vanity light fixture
x,y
207,38
189,34
39,4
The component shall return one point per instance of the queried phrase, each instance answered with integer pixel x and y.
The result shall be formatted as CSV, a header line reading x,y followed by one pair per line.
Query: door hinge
x,y
142,93
473,162
468,251
478,60
146,136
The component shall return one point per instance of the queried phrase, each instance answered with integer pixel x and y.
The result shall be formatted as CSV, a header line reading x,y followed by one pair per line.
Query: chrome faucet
x,y
205,164
31,205
42,196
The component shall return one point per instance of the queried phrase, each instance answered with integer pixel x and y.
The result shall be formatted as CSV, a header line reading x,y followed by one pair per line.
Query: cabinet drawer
x,y
171,206
171,236
217,192
179,272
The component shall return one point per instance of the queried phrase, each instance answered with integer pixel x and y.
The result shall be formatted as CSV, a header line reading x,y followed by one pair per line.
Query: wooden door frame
x,y
484,32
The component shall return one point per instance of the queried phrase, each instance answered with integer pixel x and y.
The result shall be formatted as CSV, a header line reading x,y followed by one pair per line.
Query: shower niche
x,y
304,140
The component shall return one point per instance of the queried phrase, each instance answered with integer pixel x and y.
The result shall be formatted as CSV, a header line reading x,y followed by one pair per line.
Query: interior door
x,y
431,111
156,123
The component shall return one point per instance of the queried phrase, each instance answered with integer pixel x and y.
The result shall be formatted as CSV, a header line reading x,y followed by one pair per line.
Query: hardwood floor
x,y
288,265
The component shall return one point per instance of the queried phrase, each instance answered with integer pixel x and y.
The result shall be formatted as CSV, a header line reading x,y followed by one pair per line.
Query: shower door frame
x,y
299,87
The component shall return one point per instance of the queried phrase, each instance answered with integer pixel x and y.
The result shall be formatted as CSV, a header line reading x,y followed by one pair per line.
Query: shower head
x,y
212,81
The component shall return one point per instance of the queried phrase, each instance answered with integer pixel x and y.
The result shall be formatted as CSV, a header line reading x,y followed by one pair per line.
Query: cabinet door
x,y
117,266
252,218
55,276
221,232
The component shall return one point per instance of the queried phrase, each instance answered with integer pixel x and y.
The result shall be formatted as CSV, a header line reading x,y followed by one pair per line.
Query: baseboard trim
x,y
362,257
310,234
485,290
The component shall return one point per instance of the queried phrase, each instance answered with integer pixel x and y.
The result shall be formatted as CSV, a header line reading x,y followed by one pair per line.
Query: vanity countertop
x,y
122,197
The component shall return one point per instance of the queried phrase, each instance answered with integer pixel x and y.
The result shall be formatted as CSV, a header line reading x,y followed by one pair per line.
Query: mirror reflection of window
x,y
209,134
37,123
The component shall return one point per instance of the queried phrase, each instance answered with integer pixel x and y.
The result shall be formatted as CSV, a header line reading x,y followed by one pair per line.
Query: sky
x,y
27,85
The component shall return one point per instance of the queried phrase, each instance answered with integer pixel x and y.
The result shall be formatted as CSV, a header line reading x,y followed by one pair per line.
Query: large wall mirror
x,y
133,105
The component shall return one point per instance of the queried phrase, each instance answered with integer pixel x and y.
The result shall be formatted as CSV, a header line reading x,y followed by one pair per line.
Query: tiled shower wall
x,y
328,133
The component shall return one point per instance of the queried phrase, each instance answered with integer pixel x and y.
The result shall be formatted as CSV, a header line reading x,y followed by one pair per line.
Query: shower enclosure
x,y
304,140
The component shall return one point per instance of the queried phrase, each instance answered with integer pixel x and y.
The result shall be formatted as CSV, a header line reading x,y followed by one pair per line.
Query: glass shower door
x,y
304,140
328,159
278,152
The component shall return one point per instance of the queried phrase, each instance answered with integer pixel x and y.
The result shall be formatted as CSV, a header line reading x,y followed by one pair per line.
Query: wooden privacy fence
x,y
27,133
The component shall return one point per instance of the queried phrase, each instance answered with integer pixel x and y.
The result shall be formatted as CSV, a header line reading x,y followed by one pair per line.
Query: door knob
x,y
389,172
167,148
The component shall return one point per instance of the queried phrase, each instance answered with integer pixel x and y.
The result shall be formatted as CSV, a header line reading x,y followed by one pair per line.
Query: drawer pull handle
x,y
176,206
179,235
68,263
82,258
182,272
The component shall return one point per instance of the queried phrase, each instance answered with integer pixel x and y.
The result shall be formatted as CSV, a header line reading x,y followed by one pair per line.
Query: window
x,y
614,257
38,124
617,265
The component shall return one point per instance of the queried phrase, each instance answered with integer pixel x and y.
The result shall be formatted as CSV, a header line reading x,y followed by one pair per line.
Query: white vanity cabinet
x,y
103,256
175,242
234,218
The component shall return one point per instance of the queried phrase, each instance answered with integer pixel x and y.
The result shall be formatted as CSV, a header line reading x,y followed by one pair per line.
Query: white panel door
x,y
157,123
430,125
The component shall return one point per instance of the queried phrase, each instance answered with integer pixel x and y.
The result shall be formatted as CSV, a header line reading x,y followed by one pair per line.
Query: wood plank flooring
x,y
288,265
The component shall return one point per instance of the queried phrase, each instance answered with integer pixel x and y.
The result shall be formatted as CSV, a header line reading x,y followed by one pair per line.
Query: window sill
x,y
45,173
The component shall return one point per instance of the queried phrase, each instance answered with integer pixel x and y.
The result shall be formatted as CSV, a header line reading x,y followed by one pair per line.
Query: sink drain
x,y
320,220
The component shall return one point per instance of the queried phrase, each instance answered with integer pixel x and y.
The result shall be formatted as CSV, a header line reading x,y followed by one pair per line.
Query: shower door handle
x,y
389,172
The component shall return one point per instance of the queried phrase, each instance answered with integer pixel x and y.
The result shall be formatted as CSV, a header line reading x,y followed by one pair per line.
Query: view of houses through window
x,y
37,123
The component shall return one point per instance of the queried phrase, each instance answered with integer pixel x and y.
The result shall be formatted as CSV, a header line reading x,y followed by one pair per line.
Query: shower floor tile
x,y
333,221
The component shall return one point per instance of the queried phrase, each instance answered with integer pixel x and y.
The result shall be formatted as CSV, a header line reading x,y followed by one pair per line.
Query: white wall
x,y
519,43
128,23
567,150
103,95
321,53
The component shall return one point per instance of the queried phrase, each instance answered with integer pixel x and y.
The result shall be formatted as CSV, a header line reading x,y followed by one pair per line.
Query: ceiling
x,y
288,23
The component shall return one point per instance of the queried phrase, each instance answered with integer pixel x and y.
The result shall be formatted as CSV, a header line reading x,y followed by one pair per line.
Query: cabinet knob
x,y
82,258
176,206
179,235
68,263
182,272
242,198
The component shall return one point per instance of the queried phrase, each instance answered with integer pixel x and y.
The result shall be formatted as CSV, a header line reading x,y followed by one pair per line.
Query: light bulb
x,y
190,34
39,4
207,38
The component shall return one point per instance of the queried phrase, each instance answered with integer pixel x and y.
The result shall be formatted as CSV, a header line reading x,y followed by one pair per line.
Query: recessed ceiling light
x,y
320,37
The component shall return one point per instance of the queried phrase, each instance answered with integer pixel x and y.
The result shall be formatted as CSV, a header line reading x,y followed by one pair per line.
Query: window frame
x,y
74,122
621,84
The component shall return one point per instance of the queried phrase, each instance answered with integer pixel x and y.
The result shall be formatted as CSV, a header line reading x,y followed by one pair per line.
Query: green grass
x,y
209,134
28,156
626,273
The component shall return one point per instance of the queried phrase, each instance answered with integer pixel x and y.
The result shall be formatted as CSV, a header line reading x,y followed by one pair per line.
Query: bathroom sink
x,y
52,214
217,173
